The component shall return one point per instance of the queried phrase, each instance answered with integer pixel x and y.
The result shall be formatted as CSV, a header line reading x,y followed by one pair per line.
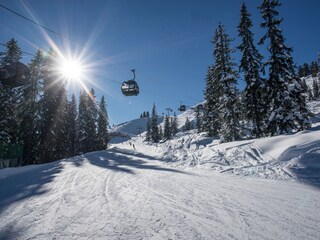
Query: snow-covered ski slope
x,y
124,194
190,187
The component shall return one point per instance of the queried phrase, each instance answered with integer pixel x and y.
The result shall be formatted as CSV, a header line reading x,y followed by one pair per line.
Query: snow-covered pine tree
x,y
72,128
8,97
91,128
12,52
224,72
154,125
251,65
304,85
103,122
199,119
285,92
212,94
174,125
306,69
82,123
54,107
148,134
187,125
315,86
160,132
29,110
62,125
6,113
167,128
314,69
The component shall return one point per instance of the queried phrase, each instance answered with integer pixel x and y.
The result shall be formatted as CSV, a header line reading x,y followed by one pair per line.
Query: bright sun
x,y
71,69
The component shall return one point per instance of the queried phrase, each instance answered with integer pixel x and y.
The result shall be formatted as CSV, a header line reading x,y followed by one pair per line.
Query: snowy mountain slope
x,y
124,194
280,157
134,127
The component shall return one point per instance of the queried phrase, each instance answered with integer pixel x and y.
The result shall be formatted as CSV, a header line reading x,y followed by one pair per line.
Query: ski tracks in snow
x,y
124,195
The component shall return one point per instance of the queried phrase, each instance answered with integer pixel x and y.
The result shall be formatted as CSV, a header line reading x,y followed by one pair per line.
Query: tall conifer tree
x,y
255,90
29,109
154,125
103,123
82,122
8,97
167,128
287,107
226,78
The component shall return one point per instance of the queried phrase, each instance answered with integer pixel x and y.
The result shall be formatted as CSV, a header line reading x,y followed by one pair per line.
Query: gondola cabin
x,y
182,108
130,87
14,74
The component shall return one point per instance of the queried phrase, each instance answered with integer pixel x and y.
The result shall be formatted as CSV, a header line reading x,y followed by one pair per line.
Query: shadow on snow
x,y
122,161
25,182
307,167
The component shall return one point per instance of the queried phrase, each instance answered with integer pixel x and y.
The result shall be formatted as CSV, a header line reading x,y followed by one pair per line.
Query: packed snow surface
x,y
189,187
124,194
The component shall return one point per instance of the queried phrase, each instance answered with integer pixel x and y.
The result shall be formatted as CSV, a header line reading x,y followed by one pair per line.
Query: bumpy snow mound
x,y
291,156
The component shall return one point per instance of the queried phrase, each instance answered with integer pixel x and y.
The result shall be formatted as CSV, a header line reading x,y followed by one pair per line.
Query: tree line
x,y
270,104
39,115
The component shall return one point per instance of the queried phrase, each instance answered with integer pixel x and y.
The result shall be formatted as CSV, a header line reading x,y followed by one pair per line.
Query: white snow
x,y
123,194
190,187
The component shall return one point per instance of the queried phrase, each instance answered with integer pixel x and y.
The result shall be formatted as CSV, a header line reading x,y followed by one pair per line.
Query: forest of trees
x,y
270,104
156,132
40,117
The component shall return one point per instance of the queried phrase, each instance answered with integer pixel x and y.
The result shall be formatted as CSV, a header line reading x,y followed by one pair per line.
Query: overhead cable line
x,y
70,41
63,37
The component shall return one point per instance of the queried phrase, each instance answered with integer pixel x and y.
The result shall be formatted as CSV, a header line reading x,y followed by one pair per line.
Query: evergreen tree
x,y
103,122
154,125
54,107
285,93
314,69
315,85
82,122
8,97
167,128
226,76
213,93
12,53
301,72
306,69
160,132
72,126
29,110
187,125
148,134
91,127
310,94
6,113
199,119
254,92
61,124
174,125
304,86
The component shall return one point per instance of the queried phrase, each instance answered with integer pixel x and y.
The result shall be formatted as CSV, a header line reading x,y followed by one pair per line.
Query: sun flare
x,y
71,69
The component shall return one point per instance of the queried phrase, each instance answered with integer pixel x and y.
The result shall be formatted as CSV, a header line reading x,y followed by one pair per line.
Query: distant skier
x,y
133,147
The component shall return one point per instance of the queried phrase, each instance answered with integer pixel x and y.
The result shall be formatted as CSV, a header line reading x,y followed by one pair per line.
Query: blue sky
x,y
167,42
